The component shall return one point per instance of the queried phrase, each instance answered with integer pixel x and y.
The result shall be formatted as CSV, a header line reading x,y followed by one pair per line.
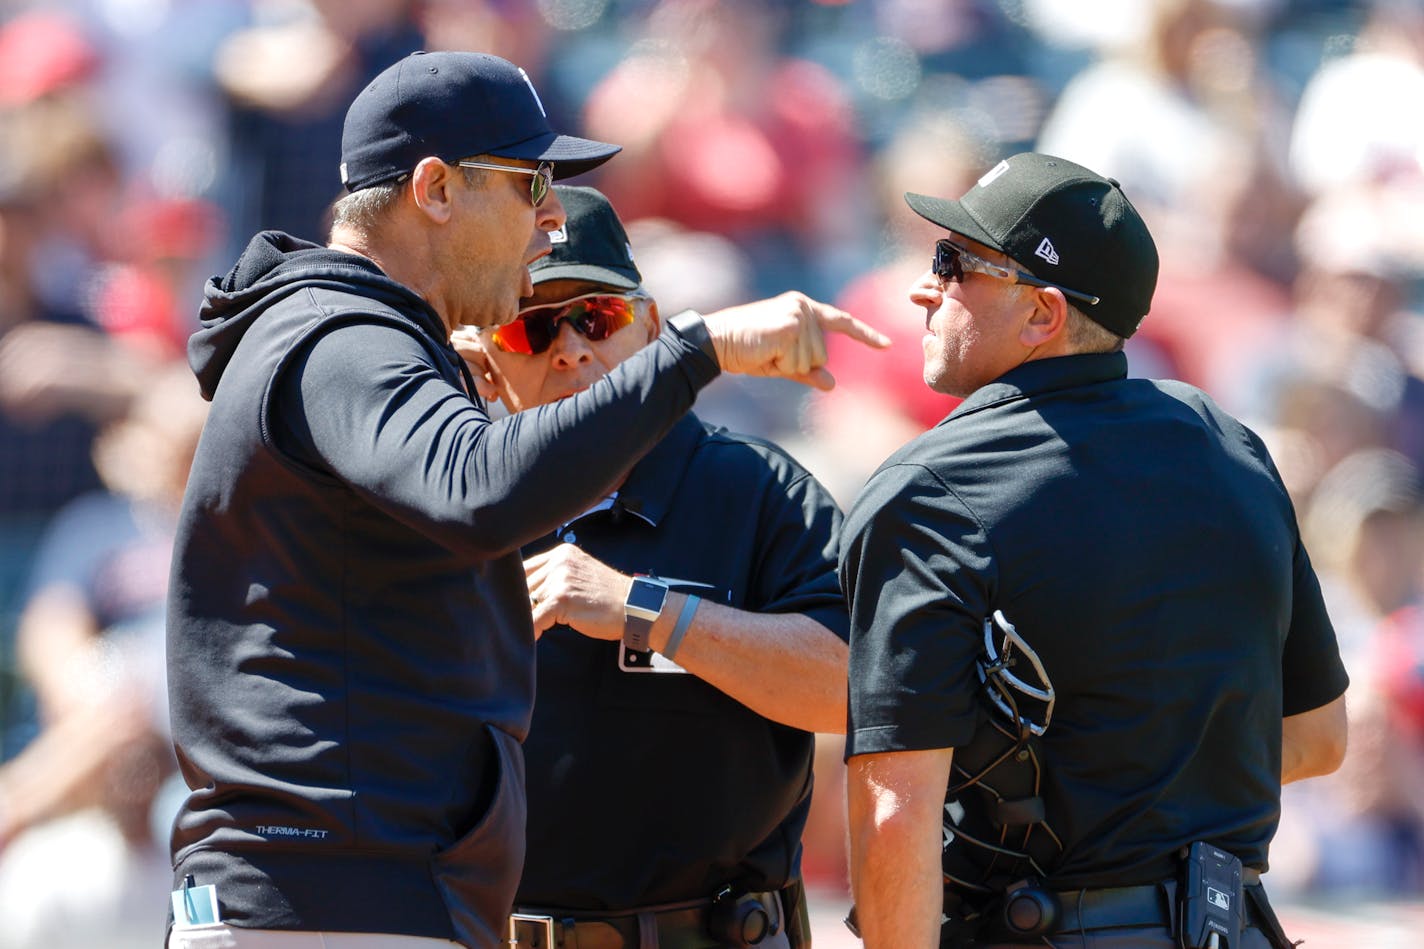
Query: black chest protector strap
x,y
996,831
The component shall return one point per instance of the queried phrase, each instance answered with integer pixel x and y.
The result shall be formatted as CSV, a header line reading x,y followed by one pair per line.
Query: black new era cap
x,y
1063,223
453,105
591,245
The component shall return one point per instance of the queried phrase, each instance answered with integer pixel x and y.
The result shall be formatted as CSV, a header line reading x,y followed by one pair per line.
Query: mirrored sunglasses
x,y
595,316
538,188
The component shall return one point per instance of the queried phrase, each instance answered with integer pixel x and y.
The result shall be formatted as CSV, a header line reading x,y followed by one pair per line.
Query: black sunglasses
x,y
951,262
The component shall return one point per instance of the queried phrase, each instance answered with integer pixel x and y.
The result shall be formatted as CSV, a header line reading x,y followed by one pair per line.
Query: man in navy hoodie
x,y
351,656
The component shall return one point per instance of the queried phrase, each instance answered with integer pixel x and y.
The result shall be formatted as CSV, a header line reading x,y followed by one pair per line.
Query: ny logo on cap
x,y
537,101
1046,251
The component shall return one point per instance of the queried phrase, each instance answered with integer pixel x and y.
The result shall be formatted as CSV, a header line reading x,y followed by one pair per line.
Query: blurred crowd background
x,y
1276,148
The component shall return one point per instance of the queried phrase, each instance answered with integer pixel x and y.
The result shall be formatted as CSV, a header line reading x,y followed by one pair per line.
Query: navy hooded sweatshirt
x,y
351,657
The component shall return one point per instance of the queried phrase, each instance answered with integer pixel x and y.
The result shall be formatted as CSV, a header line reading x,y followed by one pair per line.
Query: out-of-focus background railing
x,y
1275,146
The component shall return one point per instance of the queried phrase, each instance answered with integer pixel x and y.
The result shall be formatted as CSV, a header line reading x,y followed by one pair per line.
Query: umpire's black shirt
x,y
649,787
1141,541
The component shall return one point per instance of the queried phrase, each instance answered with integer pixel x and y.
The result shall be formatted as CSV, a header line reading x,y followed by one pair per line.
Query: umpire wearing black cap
x,y
692,641
350,649
1087,646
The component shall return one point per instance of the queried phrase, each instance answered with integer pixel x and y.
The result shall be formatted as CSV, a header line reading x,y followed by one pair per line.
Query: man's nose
x,y
550,215
927,291
569,345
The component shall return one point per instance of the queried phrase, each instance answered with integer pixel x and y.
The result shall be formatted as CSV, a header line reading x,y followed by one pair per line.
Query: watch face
x,y
646,597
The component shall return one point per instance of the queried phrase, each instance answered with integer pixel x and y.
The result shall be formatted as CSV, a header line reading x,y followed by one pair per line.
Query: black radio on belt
x,y
1030,909
1211,899
741,920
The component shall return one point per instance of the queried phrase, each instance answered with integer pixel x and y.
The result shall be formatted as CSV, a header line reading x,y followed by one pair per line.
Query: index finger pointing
x,y
839,321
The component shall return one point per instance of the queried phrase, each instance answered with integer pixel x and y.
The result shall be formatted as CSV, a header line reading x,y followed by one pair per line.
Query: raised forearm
x,y
784,666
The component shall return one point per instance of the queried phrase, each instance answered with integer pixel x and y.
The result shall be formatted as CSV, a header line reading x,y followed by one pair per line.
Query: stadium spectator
x,y
83,830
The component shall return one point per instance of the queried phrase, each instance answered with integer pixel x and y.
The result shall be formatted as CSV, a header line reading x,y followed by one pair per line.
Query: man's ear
x,y
655,321
432,187
1046,322
471,347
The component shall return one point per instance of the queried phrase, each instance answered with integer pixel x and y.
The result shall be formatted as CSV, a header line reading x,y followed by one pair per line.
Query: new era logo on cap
x,y
1046,251
558,236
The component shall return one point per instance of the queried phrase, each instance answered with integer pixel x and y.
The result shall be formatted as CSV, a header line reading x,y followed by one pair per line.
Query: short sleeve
x,y
799,538
1312,673
918,577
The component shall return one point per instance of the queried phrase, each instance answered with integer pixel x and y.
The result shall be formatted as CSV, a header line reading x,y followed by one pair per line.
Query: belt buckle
x,y
545,922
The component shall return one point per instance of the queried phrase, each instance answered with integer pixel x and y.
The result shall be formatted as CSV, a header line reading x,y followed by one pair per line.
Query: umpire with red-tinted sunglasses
x,y
692,641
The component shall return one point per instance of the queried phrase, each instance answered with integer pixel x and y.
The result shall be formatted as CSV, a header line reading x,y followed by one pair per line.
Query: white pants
x,y
219,936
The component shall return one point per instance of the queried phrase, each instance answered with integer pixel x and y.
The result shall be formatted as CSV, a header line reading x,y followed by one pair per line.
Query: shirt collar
x,y
1045,375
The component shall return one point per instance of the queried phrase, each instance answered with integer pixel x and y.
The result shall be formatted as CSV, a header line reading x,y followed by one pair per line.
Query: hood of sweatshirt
x,y
273,266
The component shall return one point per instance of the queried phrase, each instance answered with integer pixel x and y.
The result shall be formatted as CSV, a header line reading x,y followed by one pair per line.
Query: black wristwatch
x,y
641,610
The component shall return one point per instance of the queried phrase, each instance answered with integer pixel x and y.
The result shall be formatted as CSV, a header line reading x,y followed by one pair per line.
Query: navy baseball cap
x,y
453,105
591,245
1062,223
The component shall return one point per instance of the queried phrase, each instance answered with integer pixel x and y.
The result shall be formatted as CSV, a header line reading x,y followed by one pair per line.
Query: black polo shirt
x,y
649,787
1141,541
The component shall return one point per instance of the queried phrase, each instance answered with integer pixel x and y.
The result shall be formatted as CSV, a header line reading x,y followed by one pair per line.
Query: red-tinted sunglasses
x,y
596,316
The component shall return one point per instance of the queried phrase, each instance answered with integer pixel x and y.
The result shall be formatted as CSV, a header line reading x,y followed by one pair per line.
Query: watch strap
x,y
638,633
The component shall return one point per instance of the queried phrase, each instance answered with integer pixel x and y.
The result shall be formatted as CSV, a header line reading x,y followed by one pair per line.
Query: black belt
x,y
1125,907
1117,907
677,926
